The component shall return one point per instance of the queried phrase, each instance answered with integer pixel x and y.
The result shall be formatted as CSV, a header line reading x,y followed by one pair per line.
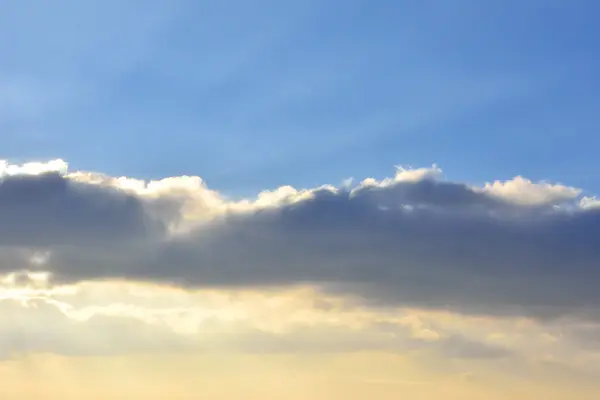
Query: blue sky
x,y
256,94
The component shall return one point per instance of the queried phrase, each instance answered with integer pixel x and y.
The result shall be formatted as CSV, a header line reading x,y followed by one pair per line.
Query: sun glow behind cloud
x,y
296,288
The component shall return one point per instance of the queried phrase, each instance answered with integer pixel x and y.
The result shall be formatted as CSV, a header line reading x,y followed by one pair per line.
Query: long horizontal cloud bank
x,y
414,239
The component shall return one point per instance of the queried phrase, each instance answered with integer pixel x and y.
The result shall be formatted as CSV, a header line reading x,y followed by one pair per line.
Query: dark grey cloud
x,y
506,258
420,242
48,209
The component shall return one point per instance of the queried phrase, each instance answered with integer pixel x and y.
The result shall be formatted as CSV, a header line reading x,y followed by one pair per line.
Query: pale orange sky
x,y
295,377
127,340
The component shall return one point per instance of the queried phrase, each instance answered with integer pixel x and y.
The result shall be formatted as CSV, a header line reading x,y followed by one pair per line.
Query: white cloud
x,y
523,191
589,202
32,168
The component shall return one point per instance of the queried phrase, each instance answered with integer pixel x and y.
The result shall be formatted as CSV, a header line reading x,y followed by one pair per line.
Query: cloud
x,y
415,239
114,318
47,209
526,192
120,318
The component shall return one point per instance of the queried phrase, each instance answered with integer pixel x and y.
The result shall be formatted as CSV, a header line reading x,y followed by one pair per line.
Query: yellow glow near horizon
x,y
234,376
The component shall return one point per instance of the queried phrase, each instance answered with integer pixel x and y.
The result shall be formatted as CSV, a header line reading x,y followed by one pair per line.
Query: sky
x,y
299,199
